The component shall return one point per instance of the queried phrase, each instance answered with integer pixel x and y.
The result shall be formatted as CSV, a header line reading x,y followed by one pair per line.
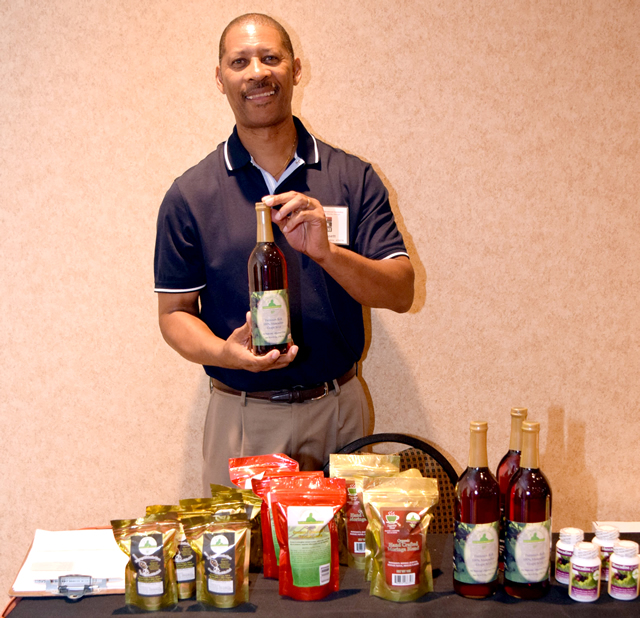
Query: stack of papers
x,y
93,553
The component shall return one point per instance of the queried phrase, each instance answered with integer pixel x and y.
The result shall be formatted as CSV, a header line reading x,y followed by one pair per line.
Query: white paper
x,y
71,552
623,526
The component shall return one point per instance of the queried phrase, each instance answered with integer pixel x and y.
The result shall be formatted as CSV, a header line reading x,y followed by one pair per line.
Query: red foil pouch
x,y
243,469
270,545
304,512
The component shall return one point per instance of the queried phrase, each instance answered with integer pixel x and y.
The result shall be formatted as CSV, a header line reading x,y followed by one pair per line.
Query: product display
x,y
268,290
352,525
605,538
477,522
271,547
221,542
508,466
584,574
399,511
304,515
564,550
624,583
151,543
185,558
528,526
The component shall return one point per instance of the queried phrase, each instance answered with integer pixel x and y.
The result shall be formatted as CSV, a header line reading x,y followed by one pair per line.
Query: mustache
x,y
265,83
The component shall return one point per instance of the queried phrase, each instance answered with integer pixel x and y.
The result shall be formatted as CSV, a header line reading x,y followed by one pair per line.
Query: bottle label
x,y
309,545
527,551
270,317
584,584
475,552
148,558
563,565
402,542
355,521
219,558
624,583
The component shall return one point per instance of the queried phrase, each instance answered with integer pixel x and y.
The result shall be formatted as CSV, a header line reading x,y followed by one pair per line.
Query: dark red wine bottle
x,y
268,289
528,524
508,466
477,523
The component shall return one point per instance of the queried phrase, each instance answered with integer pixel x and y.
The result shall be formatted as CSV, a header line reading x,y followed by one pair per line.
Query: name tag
x,y
337,224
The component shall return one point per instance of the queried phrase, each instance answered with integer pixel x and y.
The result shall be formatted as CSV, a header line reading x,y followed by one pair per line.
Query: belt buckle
x,y
326,392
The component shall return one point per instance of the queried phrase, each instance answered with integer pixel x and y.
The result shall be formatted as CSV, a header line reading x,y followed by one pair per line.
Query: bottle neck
x,y
517,416
478,450
265,227
529,457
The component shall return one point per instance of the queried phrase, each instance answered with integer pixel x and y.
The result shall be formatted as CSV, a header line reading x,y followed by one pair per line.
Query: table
x,y
353,599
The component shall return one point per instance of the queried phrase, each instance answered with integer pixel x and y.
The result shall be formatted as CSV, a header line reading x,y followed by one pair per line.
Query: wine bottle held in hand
x,y
268,289
477,515
528,524
508,466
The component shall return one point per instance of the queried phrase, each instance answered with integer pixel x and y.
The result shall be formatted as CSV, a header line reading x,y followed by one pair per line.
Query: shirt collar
x,y
237,156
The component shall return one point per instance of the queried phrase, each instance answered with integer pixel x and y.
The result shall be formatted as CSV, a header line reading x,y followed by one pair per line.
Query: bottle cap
x,y
571,536
531,426
585,550
478,426
625,549
519,412
607,533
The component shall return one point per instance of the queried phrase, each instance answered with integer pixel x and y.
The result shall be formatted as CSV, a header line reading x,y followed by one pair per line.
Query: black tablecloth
x,y
353,599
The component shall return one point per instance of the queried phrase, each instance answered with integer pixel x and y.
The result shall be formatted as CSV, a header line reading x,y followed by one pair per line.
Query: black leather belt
x,y
297,394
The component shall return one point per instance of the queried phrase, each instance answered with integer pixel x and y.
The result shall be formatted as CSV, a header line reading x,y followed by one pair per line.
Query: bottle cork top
x,y
531,426
478,426
519,412
585,550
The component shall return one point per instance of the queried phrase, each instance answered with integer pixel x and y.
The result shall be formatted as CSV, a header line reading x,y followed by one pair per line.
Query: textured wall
x,y
507,134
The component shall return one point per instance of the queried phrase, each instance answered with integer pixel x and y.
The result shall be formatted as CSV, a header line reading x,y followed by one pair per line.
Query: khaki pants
x,y
307,431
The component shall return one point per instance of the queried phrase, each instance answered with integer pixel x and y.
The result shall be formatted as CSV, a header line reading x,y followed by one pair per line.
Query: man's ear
x,y
219,80
297,71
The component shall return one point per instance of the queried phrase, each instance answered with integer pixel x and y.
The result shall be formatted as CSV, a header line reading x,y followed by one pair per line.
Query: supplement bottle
x,y
605,537
564,550
584,582
623,571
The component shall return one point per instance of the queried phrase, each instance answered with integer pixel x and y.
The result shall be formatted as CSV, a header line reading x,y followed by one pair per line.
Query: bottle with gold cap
x,y
477,514
508,466
268,288
528,523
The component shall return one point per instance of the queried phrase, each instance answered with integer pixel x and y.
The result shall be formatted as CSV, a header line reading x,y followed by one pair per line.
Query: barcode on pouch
x,y
325,572
408,579
358,548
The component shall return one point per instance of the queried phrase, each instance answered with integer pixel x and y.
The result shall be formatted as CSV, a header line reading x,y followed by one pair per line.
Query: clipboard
x,y
71,563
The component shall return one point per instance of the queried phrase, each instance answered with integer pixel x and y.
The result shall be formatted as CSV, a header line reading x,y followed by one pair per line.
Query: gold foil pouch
x,y
185,558
151,543
222,544
399,511
352,521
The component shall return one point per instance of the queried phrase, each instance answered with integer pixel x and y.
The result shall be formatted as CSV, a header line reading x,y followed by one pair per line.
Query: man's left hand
x,y
302,221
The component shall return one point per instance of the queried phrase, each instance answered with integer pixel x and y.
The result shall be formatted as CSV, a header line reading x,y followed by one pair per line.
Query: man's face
x,y
257,75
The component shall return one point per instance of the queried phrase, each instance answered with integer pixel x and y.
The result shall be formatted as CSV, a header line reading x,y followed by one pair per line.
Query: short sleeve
x,y
377,235
178,261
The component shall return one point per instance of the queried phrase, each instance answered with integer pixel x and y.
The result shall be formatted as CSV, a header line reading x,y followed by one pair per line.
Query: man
x,y
307,402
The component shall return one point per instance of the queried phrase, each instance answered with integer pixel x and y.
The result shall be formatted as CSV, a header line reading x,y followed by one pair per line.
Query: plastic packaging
x,y
564,550
624,583
584,582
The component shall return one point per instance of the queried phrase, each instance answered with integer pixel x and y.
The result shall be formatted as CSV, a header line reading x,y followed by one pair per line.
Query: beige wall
x,y
507,133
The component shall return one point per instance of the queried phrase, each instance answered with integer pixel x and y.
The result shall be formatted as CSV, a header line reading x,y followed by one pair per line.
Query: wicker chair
x,y
431,463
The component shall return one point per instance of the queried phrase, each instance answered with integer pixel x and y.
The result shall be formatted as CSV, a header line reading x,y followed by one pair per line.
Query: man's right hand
x,y
238,355
188,335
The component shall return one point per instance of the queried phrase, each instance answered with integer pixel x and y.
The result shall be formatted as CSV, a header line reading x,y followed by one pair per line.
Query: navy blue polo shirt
x,y
207,230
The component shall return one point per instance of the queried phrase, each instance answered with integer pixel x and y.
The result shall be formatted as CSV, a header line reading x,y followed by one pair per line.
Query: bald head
x,y
258,19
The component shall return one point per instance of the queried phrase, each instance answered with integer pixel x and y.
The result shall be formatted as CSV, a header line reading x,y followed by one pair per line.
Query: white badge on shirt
x,y
337,224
